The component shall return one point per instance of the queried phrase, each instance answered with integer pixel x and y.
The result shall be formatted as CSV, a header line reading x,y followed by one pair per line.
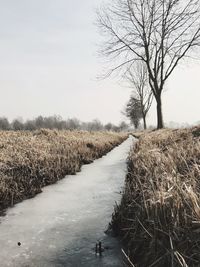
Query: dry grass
x,y
159,216
31,160
138,134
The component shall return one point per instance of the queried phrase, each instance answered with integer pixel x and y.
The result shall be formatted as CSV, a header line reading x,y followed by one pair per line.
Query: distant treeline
x,y
56,122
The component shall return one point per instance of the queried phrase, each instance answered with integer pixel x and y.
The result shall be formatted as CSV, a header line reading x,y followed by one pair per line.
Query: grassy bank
x,y
31,160
159,216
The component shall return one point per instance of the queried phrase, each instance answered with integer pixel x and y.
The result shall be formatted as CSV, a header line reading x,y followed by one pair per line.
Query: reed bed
x,y
159,215
31,160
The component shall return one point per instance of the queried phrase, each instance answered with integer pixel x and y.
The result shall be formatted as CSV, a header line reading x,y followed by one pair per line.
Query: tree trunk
x,y
160,124
144,121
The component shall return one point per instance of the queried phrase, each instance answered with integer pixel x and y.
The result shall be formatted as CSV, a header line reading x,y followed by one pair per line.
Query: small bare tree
x,y
4,124
137,77
158,32
133,111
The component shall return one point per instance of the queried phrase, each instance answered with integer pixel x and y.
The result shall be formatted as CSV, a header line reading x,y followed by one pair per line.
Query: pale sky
x,y
49,65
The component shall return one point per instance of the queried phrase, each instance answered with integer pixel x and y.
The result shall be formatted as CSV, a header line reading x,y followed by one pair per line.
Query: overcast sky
x,y
49,65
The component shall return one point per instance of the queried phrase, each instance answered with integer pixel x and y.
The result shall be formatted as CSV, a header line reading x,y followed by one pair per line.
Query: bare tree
x,y
95,125
123,126
108,126
4,124
133,111
17,124
73,124
158,32
137,77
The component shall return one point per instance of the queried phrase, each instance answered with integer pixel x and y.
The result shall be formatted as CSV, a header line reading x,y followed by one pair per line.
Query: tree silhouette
x,y
160,33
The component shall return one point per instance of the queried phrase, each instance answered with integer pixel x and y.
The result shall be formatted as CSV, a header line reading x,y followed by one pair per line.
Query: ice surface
x,y
60,226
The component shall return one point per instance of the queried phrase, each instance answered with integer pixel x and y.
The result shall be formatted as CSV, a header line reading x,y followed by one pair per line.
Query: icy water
x,y
60,226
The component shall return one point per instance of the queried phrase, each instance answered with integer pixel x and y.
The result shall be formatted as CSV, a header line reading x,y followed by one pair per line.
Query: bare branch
x,y
160,33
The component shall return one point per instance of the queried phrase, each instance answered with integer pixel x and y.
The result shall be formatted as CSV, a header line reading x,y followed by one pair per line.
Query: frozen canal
x,y
60,226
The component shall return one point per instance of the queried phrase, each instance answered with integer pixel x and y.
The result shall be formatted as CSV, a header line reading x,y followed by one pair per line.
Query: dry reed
x,y
159,215
31,160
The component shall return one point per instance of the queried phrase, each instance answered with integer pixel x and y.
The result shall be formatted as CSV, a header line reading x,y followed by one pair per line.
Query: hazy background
x,y
49,65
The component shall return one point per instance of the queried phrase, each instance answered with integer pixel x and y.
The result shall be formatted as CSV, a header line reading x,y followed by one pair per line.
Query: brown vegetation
x,y
31,160
159,216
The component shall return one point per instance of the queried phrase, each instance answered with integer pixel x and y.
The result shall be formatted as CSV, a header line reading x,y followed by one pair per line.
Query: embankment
x,y
31,160
159,215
